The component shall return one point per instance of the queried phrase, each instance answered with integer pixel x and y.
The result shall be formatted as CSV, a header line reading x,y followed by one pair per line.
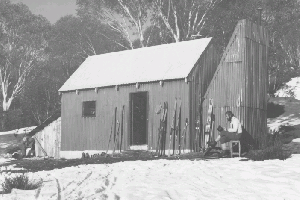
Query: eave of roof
x,y
162,62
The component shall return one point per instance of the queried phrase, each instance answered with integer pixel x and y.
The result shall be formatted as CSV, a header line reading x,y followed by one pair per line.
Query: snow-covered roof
x,y
163,62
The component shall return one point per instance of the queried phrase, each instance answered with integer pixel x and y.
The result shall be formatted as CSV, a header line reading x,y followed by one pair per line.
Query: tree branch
x,y
136,22
113,41
201,23
167,24
176,22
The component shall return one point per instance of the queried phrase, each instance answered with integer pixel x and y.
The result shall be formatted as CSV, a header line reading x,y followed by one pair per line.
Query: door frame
x,y
130,143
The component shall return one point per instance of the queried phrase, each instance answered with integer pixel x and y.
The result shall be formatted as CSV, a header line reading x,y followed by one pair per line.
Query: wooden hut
x,y
142,79
240,81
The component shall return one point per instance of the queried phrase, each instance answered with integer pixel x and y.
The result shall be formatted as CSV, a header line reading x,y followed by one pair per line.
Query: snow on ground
x,y
4,160
18,131
275,124
292,86
226,178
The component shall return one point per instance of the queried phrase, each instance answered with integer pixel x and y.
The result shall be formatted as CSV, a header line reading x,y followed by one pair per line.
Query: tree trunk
x,y
6,105
4,120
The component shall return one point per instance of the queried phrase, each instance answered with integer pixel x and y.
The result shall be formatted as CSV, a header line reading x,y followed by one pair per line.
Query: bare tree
x,y
20,55
184,18
127,18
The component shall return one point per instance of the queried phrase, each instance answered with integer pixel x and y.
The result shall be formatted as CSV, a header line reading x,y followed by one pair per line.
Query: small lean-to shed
x,y
140,80
48,137
240,81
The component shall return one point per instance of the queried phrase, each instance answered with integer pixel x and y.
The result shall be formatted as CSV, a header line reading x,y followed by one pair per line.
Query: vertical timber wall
x,y
199,80
240,81
92,133
50,140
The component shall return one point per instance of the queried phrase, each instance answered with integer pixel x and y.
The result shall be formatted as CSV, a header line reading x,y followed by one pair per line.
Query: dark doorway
x,y
138,118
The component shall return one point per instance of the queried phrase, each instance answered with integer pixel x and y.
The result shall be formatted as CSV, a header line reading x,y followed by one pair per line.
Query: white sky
x,y
51,9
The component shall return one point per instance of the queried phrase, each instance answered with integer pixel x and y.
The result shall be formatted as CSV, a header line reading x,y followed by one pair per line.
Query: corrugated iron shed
x,y
163,62
240,81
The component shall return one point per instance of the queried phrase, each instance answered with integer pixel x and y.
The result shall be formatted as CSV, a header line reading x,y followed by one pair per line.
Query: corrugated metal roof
x,y
163,62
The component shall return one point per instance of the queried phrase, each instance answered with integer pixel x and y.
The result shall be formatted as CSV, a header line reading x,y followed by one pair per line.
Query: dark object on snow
x,y
207,151
212,144
224,154
247,141
212,150
28,143
220,128
16,155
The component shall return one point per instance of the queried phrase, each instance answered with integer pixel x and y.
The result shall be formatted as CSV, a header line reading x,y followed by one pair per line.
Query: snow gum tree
x,y
126,17
22,48
184,18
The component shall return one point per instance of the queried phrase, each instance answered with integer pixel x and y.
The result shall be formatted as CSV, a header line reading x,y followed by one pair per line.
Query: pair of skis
x,y
178,132
209,126
160,147
117,129
183,135
175,129
198,125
